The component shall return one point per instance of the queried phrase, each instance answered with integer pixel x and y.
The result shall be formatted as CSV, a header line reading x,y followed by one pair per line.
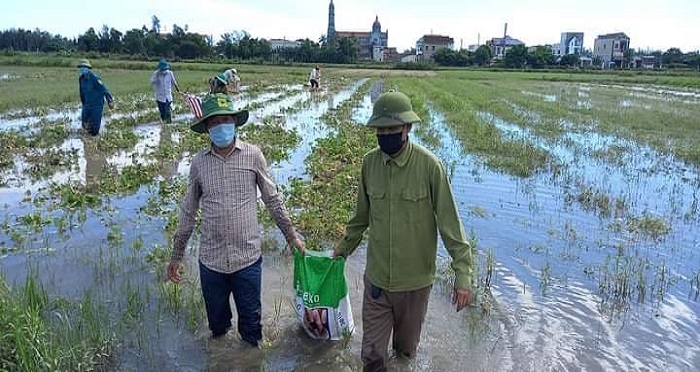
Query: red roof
x,y
437,40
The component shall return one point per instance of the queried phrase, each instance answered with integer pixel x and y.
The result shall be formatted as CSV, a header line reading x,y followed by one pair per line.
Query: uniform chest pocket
x,y
414,195
376,195
416,206
378,205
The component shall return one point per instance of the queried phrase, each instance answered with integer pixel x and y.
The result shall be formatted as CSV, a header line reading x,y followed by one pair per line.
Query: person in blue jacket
x,y
93,93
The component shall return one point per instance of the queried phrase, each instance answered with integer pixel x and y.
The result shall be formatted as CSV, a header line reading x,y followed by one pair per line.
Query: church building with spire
x,y
369,41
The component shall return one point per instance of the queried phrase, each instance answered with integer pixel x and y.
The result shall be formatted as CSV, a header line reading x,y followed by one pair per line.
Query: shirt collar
x,y
236,146
403,157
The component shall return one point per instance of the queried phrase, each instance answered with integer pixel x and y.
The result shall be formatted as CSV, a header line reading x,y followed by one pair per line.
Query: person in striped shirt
x,y
218,84
234,80
223,184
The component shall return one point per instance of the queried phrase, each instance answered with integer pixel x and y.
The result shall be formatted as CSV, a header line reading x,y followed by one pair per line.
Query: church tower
x,y
331,22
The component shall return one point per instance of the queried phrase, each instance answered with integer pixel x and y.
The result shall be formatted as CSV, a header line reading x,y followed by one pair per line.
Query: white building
x,y
409,58
278,44
571,43
556,49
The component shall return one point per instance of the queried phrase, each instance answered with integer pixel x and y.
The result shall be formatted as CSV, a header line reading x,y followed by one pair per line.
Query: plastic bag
x,y
322,300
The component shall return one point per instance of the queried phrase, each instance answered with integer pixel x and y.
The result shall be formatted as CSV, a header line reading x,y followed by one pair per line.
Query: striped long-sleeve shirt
x,y
226,192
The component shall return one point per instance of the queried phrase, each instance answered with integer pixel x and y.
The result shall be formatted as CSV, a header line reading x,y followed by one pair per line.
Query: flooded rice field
x,y
589,261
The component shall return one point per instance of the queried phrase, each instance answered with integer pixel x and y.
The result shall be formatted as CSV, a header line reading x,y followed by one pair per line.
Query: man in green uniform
x,y
404,198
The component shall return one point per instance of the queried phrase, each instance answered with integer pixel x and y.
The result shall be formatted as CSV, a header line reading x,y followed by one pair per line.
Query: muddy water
x,y
547,312
544,246
28,118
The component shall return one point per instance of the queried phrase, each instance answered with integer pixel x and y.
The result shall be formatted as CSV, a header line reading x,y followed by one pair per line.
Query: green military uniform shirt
x,y
405,201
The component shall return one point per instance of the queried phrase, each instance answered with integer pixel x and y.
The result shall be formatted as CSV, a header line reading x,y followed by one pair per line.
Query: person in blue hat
x,y
93,93
162,81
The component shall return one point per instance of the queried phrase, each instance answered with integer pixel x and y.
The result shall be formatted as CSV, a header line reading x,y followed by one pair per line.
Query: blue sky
x,y
655,24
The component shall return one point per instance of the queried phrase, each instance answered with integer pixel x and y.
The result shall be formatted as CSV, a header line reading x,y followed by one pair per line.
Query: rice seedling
x,y
545,278
648,226
695,286
43,334
515,157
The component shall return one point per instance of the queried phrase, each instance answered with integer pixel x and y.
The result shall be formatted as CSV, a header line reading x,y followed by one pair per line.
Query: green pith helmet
x,y
84,63
392,109
216,105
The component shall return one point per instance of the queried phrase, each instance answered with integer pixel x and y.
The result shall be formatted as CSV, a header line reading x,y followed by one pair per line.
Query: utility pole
x,y
505,34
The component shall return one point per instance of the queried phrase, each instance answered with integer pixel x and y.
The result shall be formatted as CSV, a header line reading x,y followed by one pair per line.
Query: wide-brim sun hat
x,y
84,63
218,104
392,109
163,65
222,78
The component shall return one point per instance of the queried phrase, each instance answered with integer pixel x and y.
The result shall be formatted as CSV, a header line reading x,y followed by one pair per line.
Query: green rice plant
x,y
42,334
275,141
455,99
43,163
135,305
695,286
490,267
34,222
72,196
125,80
545,278
324,204
648,226
110,140
345,338
115,236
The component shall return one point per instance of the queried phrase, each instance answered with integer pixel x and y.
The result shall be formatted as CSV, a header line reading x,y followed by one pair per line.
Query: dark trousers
x,y
165,112
314,83
91,118
245,285
382,312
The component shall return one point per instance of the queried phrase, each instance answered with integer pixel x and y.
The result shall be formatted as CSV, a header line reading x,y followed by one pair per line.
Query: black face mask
x,y
390,143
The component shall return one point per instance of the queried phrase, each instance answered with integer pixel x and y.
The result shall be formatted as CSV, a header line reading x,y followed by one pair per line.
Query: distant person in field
x,y
162,81
233,80
93,93
218,84
315,78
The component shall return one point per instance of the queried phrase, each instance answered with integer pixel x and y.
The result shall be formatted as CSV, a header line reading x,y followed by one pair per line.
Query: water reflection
x,y
95,162
168,168
331,102
548,312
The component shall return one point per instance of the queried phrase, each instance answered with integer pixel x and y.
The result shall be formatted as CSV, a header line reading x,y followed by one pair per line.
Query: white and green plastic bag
x,y
322,300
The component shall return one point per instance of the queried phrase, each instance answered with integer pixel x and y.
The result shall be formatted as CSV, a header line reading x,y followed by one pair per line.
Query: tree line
x,y
151,42
520,56
179,43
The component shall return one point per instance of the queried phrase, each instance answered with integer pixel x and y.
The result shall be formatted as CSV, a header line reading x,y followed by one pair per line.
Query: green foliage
x,y
326,201
516,57
460,101
482,55
449,57
540,57
38,334
570,60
